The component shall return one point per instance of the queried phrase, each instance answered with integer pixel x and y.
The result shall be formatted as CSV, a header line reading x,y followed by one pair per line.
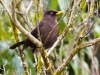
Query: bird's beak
x,y
59,12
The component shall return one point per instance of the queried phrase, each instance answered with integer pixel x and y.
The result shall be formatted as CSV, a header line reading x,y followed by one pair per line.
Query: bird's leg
x,y
45,51
49,62
24,47
49,66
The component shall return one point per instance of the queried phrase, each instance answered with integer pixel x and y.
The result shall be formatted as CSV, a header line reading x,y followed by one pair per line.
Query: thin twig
x,y
23,14
6,7
14,19
18,25
27,21
29,7
21,52
73,52
64,32
58,40
18,3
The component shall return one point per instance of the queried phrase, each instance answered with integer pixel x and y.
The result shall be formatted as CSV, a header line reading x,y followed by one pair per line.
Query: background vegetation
x,y
80,26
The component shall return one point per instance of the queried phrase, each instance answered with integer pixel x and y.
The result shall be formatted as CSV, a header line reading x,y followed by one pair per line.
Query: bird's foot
x,y
49,65
45,52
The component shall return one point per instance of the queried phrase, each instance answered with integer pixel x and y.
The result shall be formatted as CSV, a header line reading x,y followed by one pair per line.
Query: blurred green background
x,y
10,62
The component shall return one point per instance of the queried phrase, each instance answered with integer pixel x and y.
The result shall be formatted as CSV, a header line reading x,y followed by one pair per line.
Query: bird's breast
x,y
48,34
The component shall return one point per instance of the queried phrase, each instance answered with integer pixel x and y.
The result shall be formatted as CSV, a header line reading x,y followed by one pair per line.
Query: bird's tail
x,y
17,44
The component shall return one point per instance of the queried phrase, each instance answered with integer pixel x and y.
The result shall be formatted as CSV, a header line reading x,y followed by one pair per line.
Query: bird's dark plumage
x,y
48,22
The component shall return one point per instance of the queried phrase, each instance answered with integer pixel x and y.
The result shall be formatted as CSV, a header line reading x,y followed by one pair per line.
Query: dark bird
x,y
48,22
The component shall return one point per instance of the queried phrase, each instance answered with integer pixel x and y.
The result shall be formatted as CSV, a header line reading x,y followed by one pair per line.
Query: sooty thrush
x,y
48,22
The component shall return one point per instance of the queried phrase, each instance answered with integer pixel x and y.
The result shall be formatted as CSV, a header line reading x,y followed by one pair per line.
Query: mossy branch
x,y
74,52
13,17
81,45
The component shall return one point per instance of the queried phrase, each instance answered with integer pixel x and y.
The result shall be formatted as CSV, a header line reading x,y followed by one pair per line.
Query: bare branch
x,y
21,53
6,7
32,38
29,7
59,38
73,52
78,47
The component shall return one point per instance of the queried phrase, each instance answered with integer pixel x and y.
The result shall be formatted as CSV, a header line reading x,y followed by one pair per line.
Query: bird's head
x,y
51,14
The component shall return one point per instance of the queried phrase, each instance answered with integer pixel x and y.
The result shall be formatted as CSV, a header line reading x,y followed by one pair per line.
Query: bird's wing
x,y
35,34
35,31
46,29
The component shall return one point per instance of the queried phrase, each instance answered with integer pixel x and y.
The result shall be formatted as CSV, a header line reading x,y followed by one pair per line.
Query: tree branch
x,y
61,36
19,48
78,47
30,37
73,52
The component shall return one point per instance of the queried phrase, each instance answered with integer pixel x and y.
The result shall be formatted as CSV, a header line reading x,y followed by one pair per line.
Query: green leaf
x,y
63,4
52,4
97,30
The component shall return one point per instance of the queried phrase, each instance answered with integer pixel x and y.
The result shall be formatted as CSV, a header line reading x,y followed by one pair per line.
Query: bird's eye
x,y
51,13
